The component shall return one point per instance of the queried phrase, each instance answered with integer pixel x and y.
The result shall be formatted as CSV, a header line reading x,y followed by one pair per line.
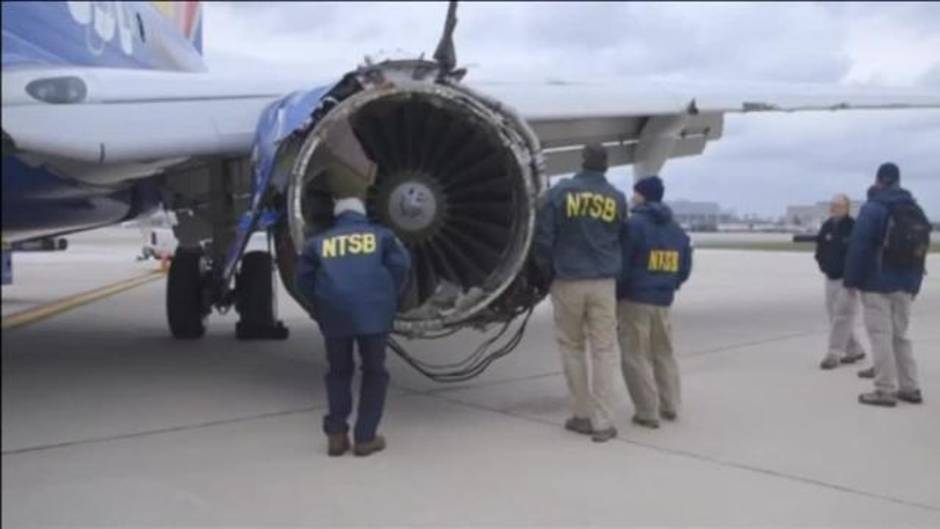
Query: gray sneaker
x,y
912,396
830,362
867,373
601,436
652,424
852,358
579,425
878,398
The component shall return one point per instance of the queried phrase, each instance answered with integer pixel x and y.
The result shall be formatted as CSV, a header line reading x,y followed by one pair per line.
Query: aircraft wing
x,y
645,123
105,116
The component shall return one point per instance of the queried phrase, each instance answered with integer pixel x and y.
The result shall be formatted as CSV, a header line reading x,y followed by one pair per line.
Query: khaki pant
x,y
649,366
842,308
886,319
585,310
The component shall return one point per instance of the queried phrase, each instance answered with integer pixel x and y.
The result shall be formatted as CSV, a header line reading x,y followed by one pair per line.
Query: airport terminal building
x,y
697,216
810,217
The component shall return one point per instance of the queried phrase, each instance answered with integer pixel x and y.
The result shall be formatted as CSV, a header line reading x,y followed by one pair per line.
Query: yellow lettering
x,y
588,204
663,261
573,203
610,210
355,243
368,243
329,248
597,205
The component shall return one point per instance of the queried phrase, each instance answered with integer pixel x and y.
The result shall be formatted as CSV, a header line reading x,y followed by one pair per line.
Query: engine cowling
x,y
457,178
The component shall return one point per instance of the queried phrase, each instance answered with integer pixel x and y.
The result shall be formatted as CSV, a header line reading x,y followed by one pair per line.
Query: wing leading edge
x,y
131,116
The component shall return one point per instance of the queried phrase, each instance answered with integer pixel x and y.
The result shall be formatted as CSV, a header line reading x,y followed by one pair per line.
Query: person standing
x,y
886,259
657,260
352,275
581,228
832,243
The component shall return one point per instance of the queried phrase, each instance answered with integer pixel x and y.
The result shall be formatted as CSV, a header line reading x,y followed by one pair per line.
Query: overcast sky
x,y
764,162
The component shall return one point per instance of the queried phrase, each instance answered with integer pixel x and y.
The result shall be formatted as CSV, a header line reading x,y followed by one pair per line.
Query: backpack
x,y
907,237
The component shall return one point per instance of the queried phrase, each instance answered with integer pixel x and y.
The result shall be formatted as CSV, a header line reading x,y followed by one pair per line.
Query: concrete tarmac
x,y
107,421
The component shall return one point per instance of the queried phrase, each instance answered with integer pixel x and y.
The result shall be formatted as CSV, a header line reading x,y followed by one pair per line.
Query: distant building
x,y
811,217
697,216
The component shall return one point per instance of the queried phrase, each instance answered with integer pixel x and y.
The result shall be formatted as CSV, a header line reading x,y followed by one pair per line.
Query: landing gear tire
x,y
254,300
185,308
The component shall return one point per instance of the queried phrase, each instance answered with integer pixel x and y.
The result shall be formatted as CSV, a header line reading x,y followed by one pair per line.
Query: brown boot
x,y
375,445
338,444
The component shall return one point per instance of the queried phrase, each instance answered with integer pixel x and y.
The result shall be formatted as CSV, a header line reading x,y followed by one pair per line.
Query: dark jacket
x,y
353,274
657,258
864,268
832,245
580,228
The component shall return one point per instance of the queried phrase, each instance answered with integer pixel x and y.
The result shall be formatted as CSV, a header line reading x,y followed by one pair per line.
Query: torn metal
x,y
455,174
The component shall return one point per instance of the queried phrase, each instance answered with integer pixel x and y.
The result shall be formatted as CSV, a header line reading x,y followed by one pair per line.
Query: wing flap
x,y
568,160
645,122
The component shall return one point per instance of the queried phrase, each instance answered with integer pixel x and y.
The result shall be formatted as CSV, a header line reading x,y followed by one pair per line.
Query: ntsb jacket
x,y
657,258
581,228
353,274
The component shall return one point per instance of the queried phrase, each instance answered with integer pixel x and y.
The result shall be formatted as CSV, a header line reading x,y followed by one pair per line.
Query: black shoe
x,y
851,359
601,436
913,397
867,373
878,398
652,424
370,447
668,415
830,362
579,425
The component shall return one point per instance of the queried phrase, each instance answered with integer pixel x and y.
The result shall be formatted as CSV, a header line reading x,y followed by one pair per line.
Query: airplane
x,y
109,113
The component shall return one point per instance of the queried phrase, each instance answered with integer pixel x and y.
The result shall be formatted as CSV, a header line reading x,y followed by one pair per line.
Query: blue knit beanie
x,y
651,188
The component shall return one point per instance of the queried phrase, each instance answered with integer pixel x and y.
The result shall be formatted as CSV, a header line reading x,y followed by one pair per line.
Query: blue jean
x,y
339,354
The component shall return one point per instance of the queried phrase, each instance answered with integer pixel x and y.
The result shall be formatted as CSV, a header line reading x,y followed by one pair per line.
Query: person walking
x,y
832,242
886,262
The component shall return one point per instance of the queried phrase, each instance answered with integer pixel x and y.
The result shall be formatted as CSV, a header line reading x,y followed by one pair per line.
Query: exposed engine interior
x,y
457,177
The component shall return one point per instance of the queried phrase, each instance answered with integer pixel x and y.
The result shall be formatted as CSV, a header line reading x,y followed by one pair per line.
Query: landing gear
x,y
255,300
186,306
208,202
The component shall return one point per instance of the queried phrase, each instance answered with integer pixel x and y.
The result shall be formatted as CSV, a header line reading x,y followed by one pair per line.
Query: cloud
x,y
763,163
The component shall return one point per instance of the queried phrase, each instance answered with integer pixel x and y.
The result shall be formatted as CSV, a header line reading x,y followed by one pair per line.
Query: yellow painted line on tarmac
x,y
49,310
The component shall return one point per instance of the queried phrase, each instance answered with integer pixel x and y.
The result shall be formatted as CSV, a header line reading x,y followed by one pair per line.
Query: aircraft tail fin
x,y
187,17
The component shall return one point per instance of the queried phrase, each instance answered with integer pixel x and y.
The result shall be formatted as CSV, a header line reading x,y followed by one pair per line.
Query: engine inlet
x,y
455,179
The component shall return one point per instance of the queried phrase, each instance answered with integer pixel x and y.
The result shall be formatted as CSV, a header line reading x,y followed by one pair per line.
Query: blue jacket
x,y
657,258
581,228
864,269
353,274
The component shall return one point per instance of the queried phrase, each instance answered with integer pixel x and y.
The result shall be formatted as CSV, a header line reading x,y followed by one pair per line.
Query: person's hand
x,y
540,278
